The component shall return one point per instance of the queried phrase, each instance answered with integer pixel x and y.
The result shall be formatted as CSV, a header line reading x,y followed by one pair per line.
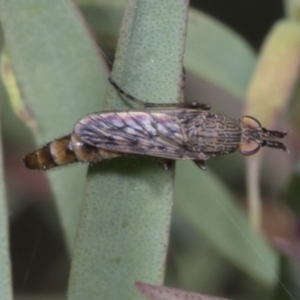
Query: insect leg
x,y
193,105
166,163
122,92
183,77
200,163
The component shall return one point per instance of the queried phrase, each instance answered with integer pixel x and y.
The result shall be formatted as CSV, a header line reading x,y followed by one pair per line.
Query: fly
x,y
169,131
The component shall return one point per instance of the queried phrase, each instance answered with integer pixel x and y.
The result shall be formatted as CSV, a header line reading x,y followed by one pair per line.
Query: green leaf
x,y
276,72
5,272
124,227
6,292
104,17
288,286
217,54
213,51
61,77
209,207
272,84
292,9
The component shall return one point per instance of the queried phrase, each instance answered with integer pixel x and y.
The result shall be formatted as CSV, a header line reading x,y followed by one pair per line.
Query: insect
x,y
169,131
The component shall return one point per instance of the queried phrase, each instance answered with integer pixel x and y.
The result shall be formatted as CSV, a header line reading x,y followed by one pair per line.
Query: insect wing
x,y
151,133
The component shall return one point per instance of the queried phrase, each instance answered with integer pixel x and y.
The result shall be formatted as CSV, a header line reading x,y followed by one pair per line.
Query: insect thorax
x,y
214,134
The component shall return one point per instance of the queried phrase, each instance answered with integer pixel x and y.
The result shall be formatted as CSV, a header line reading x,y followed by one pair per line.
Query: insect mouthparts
x,y
270,135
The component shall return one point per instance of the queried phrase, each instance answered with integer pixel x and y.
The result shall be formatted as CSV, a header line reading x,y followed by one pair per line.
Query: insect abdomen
x,y
64,151
55,153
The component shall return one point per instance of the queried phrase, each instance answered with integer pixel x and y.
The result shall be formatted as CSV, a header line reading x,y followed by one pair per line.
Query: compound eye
x,y
250,122
249,147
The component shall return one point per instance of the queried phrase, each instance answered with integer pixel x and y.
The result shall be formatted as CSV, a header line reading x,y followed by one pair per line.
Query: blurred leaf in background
x,y
60,75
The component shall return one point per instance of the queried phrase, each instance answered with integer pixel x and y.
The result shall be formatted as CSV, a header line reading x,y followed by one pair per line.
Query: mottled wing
x,y
150,133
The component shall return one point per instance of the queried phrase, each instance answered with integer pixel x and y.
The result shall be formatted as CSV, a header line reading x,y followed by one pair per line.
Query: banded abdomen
x,y
64,151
